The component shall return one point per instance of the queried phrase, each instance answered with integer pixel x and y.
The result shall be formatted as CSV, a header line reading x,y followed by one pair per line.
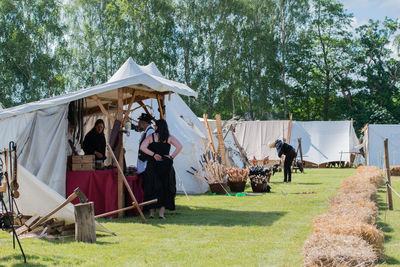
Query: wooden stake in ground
x,y
387,166
85,229
289,129
209,133
221,144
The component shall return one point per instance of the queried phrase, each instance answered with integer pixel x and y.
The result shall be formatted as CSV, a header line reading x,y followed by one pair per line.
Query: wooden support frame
x,y
102,108
160,106
123,178
209,133
138,94
221,144
126,112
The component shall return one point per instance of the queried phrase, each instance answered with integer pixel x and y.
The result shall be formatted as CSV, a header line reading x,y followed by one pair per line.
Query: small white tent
x,y
40,128
375,134
325,141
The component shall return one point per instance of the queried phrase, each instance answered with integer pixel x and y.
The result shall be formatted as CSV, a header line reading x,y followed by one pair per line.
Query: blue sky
x,y
363,10
372,9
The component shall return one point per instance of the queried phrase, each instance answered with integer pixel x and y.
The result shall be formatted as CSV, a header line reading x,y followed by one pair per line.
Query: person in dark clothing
x,y
290,154
94,142
159,178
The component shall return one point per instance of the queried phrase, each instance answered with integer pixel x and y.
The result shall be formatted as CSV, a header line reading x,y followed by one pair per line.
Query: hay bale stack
x,y
363,211
326,249
395,170
328,223
347,235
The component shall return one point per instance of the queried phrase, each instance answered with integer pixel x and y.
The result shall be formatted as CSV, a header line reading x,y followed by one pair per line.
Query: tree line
x,y
249,59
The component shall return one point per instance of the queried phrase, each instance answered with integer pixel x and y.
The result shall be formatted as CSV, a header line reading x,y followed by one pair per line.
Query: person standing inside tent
x,y
290,154
159,179
144,126
94,142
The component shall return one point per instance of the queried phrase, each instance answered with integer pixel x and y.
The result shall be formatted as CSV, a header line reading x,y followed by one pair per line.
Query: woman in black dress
x,y
94,142
159,179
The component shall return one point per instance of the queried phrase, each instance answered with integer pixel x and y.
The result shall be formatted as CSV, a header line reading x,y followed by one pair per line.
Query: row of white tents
x,y
40,131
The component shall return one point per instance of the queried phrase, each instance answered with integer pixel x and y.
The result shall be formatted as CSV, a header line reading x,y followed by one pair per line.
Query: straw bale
x,y
373,173
353,197
356,187
395,170
324,249
346,225
364,211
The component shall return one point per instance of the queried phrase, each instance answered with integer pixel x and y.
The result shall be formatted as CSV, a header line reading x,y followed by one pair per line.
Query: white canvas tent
x,y
40,128
325,141
374,136
322,141
254,136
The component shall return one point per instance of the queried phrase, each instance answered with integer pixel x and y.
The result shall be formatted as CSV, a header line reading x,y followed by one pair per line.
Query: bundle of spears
x,y
237,175
212,169
259,175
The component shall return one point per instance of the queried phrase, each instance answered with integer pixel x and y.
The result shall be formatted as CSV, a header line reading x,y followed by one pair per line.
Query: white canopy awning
x,y
130,75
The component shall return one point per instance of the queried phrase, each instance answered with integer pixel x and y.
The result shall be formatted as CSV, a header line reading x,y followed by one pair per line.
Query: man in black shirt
x,y
290,154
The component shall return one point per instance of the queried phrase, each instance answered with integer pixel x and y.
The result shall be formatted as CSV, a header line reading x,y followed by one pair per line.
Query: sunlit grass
x,y
389,222
265,230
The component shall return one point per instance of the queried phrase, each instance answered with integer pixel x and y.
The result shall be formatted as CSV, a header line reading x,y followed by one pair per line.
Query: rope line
x,y
387,183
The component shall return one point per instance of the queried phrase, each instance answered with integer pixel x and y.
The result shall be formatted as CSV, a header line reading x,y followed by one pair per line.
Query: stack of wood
x,y
237,175
50,228
213,171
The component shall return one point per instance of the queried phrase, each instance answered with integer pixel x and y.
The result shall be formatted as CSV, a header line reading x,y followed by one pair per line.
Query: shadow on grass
x,y
195,215
386,228
308,183
30,260
390,261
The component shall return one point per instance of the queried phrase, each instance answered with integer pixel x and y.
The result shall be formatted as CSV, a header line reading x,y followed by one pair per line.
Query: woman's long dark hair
x,y
162,130
97,123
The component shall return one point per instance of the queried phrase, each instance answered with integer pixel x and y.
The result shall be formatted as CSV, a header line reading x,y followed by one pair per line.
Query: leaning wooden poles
x,y
120,171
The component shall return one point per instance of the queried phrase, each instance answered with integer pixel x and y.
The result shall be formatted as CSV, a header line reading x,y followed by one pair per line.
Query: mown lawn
x,y
389,222
205,230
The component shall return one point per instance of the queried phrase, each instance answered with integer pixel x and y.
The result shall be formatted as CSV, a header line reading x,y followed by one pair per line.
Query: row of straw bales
x,y
347,235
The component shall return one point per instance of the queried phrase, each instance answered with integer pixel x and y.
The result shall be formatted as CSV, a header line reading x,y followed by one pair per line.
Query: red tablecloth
x,y
101,187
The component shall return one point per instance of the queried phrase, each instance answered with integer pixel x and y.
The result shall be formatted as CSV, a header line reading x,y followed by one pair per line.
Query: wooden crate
x,y
83,163
83,166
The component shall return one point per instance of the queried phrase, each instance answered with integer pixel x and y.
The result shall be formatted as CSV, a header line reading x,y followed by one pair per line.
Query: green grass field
x,y
265,230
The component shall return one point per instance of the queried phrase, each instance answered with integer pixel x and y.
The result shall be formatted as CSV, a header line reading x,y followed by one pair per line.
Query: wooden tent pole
x,y
102,108
387,171
209,133
120,160
160,107
126,112
221,145
123,178
289,129
145,109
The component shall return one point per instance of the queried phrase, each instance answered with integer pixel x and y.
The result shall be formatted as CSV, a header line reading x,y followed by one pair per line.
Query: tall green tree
x,y
32,48
289,17
332,37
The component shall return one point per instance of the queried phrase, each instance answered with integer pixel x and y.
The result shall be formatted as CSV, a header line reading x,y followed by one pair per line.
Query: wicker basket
x,y
217,188
258,187
237,186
